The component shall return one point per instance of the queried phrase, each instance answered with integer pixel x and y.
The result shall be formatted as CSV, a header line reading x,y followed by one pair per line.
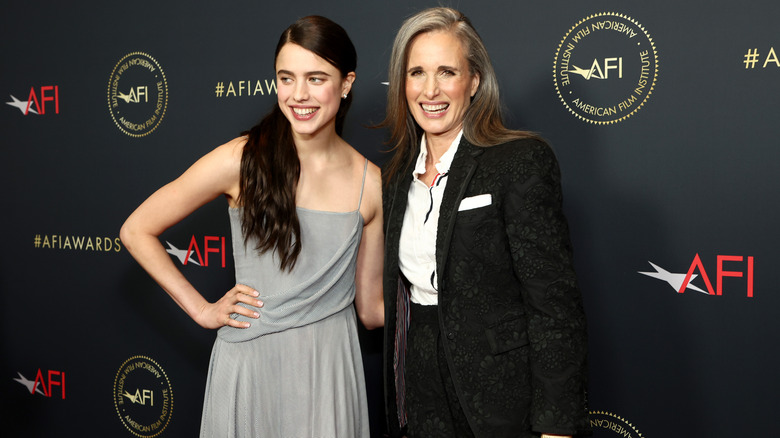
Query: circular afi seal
x,y
143,397
605,68
137,94
607,424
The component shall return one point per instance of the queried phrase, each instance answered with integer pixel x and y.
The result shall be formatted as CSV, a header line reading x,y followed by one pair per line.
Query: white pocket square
x,y
475,202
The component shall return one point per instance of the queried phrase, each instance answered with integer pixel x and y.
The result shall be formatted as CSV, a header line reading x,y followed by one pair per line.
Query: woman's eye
x,y
316,80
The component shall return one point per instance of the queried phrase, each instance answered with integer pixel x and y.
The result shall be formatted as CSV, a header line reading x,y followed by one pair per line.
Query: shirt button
x,y
450,335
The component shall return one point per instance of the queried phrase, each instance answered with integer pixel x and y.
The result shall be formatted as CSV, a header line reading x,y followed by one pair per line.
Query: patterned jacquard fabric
x,y
510,311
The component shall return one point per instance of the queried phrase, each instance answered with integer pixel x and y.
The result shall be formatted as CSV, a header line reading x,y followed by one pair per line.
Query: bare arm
x,y
217,173
369,300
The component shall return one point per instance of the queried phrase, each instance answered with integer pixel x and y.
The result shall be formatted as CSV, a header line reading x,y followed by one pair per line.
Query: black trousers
x,y
431,402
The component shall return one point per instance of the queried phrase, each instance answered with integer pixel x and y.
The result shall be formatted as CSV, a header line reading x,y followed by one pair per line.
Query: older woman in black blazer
x,y
485,331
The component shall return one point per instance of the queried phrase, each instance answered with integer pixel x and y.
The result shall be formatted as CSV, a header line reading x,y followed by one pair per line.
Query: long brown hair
x,y
482,123
270,167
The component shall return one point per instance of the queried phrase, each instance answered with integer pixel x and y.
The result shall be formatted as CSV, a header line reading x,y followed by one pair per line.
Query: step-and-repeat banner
x,y
664,116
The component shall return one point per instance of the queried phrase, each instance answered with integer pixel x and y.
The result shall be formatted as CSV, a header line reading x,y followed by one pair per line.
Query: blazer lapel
x,y
458,179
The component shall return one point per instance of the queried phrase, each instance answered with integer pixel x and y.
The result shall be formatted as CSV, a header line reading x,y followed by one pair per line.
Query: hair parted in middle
x,y
270,167
483,121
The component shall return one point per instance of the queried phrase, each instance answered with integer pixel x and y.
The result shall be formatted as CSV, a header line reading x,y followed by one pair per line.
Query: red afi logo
x,y
43,383
680,282
36,102
211,244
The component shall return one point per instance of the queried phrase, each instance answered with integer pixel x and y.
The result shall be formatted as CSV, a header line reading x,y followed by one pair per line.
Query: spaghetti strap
x,y
363,184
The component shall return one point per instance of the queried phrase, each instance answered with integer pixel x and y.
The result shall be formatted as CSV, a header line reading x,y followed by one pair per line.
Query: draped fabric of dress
x,y
297,371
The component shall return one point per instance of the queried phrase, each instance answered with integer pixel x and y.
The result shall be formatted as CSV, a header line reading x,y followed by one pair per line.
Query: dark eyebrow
x,y
311,73
440,68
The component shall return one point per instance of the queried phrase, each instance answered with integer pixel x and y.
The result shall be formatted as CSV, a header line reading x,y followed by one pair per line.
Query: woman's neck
x,y
437,146
317,146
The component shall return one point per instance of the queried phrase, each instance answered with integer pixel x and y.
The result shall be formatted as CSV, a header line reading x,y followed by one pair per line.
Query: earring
x,y
344,96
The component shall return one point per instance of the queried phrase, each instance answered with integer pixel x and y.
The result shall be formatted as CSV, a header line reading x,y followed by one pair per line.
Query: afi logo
x,y
680,282
36,101
141,397
135,95
43,383
596,72
211,244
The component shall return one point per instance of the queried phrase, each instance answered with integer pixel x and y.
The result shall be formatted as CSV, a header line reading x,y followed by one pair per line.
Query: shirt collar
x,y
443,166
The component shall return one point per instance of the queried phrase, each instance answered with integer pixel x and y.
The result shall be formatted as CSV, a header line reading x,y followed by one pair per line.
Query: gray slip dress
x,y
297,371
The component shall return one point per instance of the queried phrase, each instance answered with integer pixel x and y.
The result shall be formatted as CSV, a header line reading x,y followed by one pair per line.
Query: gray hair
x,y
482,123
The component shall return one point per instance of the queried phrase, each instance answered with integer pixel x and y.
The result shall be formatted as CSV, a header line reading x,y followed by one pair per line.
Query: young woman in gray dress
x,y
306,218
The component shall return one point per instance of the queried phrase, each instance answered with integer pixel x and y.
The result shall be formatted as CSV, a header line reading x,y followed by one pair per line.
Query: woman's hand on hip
x,y
216,315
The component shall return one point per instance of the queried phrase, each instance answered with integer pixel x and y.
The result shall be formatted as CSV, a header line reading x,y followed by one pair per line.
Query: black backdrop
x,y
684,183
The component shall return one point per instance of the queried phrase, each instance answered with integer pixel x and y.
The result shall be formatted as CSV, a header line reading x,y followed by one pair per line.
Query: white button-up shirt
x,y
417,252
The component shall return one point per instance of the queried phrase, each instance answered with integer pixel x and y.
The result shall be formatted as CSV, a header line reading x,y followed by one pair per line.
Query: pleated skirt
x,y
305,382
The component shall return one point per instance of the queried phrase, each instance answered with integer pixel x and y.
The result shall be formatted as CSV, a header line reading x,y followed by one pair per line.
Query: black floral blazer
x,y
510,313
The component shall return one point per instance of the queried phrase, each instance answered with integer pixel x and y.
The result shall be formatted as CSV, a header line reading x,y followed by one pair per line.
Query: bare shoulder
x,y
373,185
371,203
220,169
371,206
225,160
374,179
373,172
231,151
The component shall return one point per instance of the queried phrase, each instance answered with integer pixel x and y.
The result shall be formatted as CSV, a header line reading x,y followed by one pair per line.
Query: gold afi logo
x,y
596,72
137,94
143,397
605,68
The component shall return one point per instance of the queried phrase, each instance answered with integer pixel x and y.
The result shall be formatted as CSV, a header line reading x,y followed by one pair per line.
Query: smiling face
x,y
309,90
439,85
